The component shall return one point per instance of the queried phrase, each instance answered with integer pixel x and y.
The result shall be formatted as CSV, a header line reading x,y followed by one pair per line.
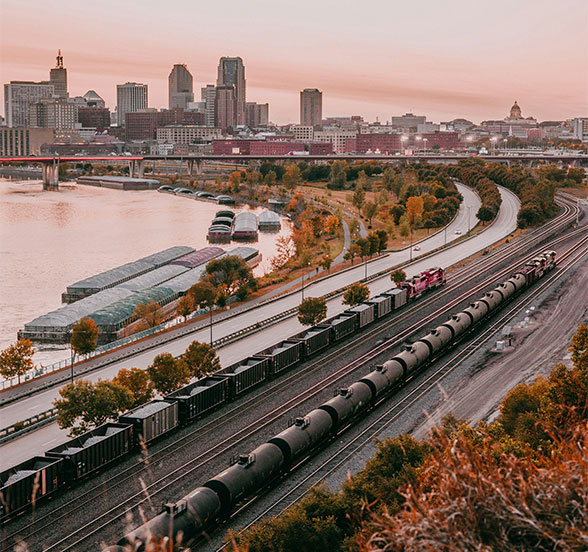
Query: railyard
x,y
221,431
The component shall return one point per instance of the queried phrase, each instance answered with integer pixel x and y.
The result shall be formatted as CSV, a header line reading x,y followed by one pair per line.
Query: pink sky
x,y
374,58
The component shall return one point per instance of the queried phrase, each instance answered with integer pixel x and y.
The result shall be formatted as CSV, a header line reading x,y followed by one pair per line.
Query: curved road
x,y
50,436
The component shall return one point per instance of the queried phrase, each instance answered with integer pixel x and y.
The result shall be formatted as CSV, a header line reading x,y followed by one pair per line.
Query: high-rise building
x,y
580,128
92,99
130,97
19,96
226,106
256,115
311,107
181,88
231,72
56,113
208,96
58,77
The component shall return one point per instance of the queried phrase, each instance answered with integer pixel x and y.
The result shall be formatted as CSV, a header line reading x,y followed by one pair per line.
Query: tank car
x,y
492,299
184,519
383,377
476,311
407,359
421,351
347,403
458,324
438,338
303,435
251,472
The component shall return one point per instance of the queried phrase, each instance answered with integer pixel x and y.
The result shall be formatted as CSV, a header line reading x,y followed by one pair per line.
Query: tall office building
x,y
181,88
56,113
231,72
19,96
208,96
226,106
311,107
58,77
130,97
256,115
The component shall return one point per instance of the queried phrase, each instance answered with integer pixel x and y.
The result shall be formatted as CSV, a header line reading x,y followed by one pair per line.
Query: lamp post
x,y
445,235
469,218
504,142
493,142
410,247
425,140
308,265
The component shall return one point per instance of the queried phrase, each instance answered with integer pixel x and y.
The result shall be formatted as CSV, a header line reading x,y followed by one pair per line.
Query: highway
x,y
49,436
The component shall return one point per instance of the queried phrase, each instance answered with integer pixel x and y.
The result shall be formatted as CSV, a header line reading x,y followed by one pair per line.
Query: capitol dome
x,y
515,111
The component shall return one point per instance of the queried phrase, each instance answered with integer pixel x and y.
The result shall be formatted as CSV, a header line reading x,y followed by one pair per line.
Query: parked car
x,y
458,232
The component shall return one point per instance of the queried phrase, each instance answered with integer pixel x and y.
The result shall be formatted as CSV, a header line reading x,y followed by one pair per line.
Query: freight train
x,y
65,465
183,521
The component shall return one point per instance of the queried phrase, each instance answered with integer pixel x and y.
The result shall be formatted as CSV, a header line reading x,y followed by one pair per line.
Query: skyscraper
x,y
231,72
58,77
181,88
130,97
19,96
311,107
256,115
226,106
208,96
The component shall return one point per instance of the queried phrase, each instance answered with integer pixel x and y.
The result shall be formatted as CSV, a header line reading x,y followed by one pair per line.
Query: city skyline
x,y
439,61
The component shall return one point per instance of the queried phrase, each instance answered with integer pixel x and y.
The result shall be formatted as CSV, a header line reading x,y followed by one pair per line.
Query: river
x,y
49,240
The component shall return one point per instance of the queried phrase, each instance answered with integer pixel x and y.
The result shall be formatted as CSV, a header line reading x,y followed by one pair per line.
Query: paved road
x,y
50,436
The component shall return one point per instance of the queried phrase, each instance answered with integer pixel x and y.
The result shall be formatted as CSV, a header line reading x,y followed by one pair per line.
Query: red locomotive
x,y
426,280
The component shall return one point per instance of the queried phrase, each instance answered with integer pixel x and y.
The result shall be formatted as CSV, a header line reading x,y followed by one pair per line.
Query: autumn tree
x,y
150,312
364,246
235,181
84,336
358,198
285,250
414,209
331,224
167,373
485,214
201,359
353,251
355,294
579,348
398,276
354,227
232,272
85,405
17,359
185,306
202,294
291,177
369,210
374,243
382,240
137,382
312,311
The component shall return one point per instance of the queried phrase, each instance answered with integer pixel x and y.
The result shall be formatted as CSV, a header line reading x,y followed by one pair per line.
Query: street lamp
x,y
425,140
303,281
504,142
493,141
469,218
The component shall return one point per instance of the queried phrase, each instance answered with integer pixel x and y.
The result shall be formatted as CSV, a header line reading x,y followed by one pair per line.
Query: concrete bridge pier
x,y
194,162
50,176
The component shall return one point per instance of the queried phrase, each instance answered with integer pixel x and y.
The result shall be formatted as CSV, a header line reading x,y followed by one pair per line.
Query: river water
x,y
49,240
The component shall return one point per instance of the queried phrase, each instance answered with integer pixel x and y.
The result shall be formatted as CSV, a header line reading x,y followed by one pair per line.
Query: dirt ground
x,y
535,351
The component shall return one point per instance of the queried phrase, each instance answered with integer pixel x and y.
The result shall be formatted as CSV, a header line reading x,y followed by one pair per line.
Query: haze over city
x,y
376,58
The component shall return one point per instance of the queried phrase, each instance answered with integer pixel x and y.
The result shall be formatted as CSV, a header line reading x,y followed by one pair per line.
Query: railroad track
x,y
159,486
384,419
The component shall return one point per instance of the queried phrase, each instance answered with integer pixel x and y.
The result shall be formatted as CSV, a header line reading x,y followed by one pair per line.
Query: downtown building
x,y
142,125
186,134
225,107
256,115
130,97
24,141
311,107
180,87
60,114
208,97
19,96
231,72
58,78
94,117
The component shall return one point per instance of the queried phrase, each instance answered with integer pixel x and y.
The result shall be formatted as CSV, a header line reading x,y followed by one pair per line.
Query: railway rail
x,y
159,486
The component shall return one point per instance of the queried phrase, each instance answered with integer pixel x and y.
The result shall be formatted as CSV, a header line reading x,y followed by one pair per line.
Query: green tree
x,y
312,311
231,271
364,246
398,276
369,210
202,294
326,262
358,198
270,179
185,306
150,312
338,175
85,405
167,373
291,177
355,294
388,178
382,240
137,382
485,214
17,359
201,359
374,242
